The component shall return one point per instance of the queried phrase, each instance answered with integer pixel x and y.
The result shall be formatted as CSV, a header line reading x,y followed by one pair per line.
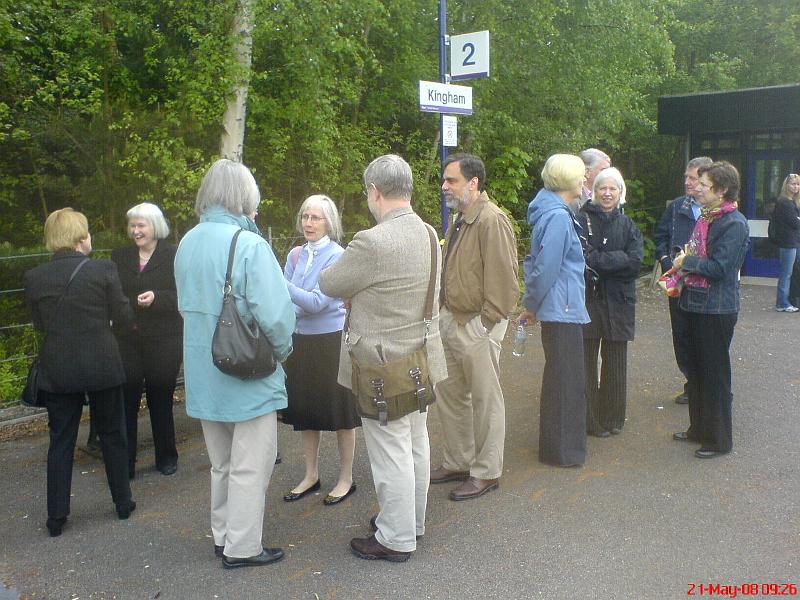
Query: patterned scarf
x,y
672,281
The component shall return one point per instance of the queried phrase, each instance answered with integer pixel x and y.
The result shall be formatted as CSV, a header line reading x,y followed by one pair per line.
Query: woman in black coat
x,y
153,350
72,300
615,252
785,233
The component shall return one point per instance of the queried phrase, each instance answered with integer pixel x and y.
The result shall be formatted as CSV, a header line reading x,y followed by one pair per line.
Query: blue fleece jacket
x,y
554,286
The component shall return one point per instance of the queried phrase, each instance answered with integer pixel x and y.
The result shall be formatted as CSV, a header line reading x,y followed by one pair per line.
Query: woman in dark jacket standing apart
x,y
710,298
152,351
615,252
72,300
786,235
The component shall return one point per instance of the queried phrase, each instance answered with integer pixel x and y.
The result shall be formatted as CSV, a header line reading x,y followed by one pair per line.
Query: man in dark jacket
x,y
672,233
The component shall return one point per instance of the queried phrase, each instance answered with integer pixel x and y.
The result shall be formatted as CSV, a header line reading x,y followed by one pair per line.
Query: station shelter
x,y
758,131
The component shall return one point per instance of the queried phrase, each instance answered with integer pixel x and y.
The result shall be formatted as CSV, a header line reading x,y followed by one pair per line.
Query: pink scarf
x,y
672,281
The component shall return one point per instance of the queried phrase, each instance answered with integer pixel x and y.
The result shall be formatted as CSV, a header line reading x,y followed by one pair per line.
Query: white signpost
x,y
449,131
445,98
469,55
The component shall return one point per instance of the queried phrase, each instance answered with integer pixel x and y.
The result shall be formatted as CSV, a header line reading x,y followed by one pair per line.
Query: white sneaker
x,y
789,309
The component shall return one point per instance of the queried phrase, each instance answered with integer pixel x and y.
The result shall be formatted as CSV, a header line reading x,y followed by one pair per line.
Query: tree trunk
x,y
231,143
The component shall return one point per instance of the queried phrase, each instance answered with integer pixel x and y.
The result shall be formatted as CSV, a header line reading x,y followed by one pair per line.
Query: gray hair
x,y
592,156
335,230
391,176
153,215
699,161
229,185
610,173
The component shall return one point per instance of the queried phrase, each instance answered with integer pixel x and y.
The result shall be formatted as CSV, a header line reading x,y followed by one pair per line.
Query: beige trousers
x,y
470,401
399,454
242,459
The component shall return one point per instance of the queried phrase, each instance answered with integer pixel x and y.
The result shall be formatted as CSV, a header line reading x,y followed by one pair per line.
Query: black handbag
x,y
31,395
239,349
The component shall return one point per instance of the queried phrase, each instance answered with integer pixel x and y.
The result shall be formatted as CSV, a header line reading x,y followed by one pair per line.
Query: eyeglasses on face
x,y
312,218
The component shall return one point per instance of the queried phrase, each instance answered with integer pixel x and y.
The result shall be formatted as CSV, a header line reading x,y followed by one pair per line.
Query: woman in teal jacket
x,y
554,295
238,416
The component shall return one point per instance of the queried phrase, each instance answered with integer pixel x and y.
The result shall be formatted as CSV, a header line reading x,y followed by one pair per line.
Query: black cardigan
x,y
161,318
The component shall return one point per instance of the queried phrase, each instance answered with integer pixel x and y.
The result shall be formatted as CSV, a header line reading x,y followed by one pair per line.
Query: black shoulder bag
x,y
31,395
239,349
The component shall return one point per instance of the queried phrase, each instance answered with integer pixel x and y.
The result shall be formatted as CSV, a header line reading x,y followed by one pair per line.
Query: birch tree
x,y
231,144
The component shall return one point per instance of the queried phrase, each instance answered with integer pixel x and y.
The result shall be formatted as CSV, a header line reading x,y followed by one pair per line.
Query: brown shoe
x,y
473,488
442,475
371,549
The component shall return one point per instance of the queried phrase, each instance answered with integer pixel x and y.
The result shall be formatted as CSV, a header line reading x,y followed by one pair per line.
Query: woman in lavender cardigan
x,y
316,401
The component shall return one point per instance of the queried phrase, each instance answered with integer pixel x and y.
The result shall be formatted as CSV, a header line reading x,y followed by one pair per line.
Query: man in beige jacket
x,y
479,289
385,273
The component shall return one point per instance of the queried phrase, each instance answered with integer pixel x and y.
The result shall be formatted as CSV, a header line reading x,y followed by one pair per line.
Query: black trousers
x,y
64,415
605,402
562,420
151,365
680,338
710,395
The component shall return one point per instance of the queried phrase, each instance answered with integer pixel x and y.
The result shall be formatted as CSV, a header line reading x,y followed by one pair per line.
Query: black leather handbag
x,y
239,349
31,395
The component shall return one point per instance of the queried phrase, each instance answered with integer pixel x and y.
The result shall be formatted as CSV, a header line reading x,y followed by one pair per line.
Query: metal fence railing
x,y
18,342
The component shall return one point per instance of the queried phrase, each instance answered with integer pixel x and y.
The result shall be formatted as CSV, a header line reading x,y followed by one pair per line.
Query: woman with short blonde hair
x,y
72,299
554,295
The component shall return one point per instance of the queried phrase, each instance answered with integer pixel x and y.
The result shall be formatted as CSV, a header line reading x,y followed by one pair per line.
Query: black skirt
x,y
316,400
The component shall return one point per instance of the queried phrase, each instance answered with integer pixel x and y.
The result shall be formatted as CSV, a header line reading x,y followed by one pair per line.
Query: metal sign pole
x,y
443,77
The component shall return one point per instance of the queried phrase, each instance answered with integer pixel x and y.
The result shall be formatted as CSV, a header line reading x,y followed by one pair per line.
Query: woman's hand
x,y
145,299
677,262
528,317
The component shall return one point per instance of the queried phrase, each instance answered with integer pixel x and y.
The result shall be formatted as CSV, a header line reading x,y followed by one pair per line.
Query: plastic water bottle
x,y
520,337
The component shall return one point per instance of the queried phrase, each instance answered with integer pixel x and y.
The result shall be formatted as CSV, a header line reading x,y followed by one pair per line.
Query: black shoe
x,y
123,512
218,551
681,436
168,469
706,452
682,398
54,526
267,556
331,500
292,496
602,433
615,430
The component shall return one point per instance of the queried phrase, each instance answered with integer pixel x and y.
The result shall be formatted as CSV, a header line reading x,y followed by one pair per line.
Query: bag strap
x,y
227,287
427,317
295,255
66,287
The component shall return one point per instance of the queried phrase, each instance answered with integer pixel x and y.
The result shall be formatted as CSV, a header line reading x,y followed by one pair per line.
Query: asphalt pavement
x,y
643,518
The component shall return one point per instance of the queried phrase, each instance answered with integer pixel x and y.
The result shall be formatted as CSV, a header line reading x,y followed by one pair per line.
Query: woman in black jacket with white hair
x,y
615,252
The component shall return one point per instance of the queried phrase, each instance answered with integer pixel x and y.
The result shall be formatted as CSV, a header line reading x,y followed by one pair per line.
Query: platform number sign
x,y
469,55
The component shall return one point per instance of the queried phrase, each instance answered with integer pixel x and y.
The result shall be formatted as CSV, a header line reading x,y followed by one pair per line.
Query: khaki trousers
x,y
399,455
242,459
470,401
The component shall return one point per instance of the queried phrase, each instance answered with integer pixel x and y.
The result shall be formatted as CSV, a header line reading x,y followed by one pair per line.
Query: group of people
x,y
393,292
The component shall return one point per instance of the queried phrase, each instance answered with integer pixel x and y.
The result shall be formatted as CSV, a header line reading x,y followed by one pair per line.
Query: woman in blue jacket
x,y
316,400
709,296
554,295
238,416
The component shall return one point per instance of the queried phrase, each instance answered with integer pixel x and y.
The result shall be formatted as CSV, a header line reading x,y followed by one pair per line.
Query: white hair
x,y
610,173
230,185
335,230
153,215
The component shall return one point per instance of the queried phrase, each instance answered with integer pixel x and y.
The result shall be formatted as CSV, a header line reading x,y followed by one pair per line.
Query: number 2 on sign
x,y
469,46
